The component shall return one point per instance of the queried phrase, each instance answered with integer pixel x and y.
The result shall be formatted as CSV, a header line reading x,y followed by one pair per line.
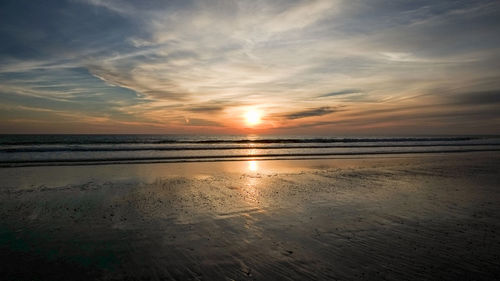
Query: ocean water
x,y
37,150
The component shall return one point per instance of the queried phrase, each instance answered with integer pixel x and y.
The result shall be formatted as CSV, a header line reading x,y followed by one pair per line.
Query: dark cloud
x,y
310,112
206,108
435,115
478,98
341,93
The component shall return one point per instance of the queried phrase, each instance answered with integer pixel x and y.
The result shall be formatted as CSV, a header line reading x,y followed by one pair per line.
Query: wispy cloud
x,y
163,62
310,113
201,122
341,93
206,108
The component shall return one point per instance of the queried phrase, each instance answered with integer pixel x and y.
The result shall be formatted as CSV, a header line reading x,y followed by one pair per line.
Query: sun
x,y
252,117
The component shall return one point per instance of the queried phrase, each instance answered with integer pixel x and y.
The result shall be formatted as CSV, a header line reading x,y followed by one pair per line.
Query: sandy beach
x,y
402,217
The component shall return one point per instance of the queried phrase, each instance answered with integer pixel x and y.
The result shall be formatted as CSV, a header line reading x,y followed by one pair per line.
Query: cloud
x,y
201,122
157,61
340,93
320,111
205,108
478,98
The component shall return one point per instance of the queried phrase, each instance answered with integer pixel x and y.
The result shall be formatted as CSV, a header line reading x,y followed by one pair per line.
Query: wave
x,y
324,140
140,139
206,158
181,148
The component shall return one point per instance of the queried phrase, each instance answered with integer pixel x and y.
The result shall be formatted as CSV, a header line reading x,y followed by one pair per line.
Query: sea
x,y
44,150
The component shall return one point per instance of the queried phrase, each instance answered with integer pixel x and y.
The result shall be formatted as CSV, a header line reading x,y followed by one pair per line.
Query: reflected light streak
x,y
253,165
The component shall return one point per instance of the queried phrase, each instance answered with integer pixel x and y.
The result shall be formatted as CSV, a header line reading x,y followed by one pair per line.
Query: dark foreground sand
x,y
414,217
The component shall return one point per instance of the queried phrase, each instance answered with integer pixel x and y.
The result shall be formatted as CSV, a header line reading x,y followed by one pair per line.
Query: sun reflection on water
x,y
252,180
253,166
252,151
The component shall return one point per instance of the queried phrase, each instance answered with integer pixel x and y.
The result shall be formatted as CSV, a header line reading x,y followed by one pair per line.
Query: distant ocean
x,y
37,150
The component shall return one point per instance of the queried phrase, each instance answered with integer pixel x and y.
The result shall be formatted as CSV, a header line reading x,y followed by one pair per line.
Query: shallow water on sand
x,y
398,218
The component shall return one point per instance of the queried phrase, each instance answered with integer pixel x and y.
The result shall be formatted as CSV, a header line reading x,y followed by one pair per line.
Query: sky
x,y
324,67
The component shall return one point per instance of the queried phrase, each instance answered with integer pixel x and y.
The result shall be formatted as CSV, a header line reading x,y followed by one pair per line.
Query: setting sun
x,y
252,117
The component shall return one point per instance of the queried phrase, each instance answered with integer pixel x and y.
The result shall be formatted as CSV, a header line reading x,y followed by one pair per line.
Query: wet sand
x,y
407,217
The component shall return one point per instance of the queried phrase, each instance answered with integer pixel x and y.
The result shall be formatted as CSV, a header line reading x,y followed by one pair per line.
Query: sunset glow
x,y
224,67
